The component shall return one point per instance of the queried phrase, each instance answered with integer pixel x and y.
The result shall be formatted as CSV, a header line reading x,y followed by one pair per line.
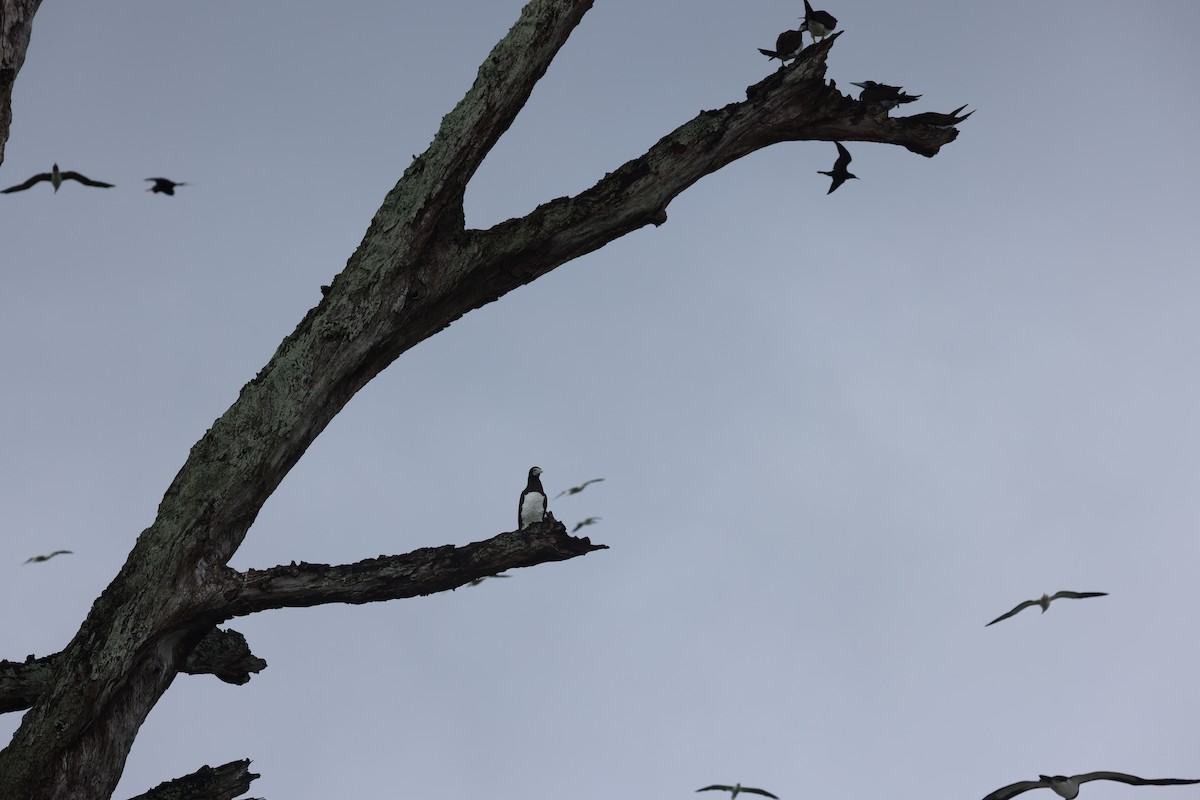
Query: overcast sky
x,y
839,433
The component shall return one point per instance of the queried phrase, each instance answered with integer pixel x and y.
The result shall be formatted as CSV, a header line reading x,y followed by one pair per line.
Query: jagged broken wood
x,y
207,783
417,270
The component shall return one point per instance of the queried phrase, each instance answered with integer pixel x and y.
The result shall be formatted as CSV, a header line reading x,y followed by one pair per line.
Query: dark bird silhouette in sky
x,y
577,489
882,95
1044,602
940,120
47,557
839,173
56,177
818,23
1067,787
788,45
478,581
736,789
585,523
164,185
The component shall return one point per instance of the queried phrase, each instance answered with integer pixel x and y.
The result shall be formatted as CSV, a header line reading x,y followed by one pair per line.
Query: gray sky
x,y
840,433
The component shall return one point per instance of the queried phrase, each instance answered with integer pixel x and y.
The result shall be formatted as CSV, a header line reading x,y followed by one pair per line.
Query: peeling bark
x,y
416,270
207,783
16,25
223,653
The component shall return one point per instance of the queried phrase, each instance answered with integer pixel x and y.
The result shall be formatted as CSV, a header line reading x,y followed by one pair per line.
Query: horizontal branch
x,y
207,783
223,653
421,572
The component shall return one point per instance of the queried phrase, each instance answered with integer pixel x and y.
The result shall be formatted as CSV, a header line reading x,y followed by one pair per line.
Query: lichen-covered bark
x,y
415,272
16,24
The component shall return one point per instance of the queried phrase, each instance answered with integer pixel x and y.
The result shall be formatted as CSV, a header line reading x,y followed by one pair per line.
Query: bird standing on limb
x,y
532,506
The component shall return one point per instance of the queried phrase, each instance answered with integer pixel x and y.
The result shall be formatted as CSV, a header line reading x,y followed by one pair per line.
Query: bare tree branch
x,y
16,24
207,783
223,653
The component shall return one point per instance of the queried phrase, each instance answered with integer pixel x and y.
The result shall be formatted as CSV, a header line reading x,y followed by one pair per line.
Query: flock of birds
x,y
879,96
1065,786
56,177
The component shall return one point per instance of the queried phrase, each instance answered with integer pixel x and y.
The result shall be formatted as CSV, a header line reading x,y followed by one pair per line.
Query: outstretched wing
x,y
20,187
1014,789
1133,780
763,792
1078,595
86,181
717,786
1020,607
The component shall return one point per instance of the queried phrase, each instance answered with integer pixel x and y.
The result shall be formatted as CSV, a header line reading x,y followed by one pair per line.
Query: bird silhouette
x,y
839,173
736,789
1044,602
787,45
164,185
818,23
577,489
585,523
1068,787
882,95
47,557
56,177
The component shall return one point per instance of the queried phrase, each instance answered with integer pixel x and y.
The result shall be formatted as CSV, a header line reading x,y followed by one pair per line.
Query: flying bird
x,y
940,120
839,173
585,523
164,185
1044,602
788,45
577,489
882,95
1068,787
737,788
47,557
56,177
532,507
818,23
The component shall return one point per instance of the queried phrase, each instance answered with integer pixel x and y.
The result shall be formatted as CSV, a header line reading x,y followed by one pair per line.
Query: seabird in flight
x,y
940,120
735,789
532,507
1068,787
788,45
56,177
839,173
577,489
164,185
818,23
585,523
1044,602
882,95
47,557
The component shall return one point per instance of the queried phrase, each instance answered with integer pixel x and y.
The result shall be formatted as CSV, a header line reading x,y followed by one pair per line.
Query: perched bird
x,y
532,507
818,23
46,557
940,120
56,177
882,95
1068,787
577,489
737,788
164,185
839,173
1044,602
585,523
478,581
788,45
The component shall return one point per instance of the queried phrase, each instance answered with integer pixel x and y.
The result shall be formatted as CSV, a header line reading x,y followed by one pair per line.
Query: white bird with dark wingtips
x,y
47,557
736,789
532,507
1044,602
1067,787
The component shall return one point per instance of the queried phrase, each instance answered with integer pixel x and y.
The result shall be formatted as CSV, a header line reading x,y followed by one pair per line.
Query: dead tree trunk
x,y
417,269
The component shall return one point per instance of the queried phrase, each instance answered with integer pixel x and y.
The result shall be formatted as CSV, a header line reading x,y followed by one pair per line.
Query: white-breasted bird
x,y
56,177
1067,787
737,789
1044,602
532,507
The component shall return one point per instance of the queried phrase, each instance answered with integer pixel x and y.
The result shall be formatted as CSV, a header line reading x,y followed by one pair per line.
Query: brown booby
x,y
577,489
1044,602
56,177
818,23
47,557
787,45
585,523
736,789
532,506
882,95
164,185
1067,787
